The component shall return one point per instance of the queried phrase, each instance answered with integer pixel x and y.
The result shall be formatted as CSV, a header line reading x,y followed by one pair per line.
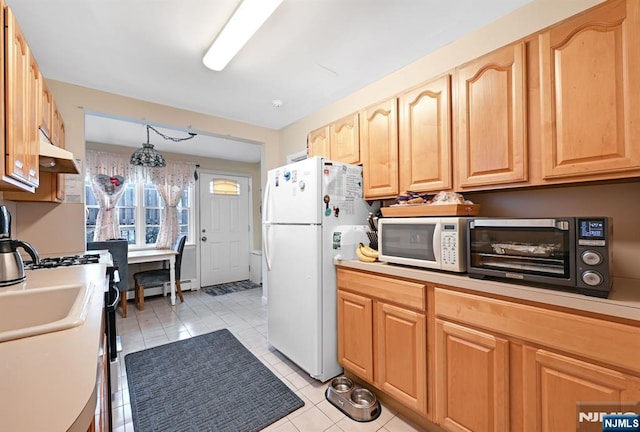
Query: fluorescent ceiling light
x,y
244,22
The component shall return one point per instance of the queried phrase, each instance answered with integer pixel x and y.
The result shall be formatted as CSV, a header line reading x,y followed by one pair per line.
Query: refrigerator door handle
x,y
265,244
265,202
266,224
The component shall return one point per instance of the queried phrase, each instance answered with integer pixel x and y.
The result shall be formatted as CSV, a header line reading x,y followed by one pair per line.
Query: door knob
x,y
203,238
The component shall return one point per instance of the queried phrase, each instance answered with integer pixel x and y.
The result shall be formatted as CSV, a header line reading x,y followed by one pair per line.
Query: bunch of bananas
x,y
366,253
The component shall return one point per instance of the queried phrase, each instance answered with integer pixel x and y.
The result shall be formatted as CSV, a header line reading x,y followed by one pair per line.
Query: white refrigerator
x,y
303,202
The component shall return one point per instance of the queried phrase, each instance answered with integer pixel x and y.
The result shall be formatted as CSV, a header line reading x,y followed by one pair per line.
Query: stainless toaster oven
x,y
571,252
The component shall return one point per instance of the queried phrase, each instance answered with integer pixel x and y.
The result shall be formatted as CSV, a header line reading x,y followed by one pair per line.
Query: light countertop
x,y
48,381
623,301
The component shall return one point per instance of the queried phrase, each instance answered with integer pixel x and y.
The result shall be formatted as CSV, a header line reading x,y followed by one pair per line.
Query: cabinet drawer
x,y
401,292
609,342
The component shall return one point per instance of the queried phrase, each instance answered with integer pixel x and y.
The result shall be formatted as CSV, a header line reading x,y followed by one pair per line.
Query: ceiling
x,y
309,54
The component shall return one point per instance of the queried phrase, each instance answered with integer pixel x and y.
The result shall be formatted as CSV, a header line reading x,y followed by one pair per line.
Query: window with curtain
x,y
148,208
140,210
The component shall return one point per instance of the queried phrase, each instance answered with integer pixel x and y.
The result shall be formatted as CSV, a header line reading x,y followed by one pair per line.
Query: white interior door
x,y
224,229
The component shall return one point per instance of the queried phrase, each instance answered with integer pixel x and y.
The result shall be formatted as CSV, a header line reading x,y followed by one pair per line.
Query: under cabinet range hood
x,y
56,159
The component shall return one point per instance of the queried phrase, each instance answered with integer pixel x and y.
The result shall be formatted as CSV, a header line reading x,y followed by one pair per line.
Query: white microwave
x,y
429,242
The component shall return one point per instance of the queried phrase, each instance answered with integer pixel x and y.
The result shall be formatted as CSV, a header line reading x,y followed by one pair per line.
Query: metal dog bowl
x,y
355,401
342,384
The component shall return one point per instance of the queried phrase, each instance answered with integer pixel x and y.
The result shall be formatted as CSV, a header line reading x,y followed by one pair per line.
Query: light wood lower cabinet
x,y
400,354
503,365
355,330
555,384
472,385
382,334
100,422
474,363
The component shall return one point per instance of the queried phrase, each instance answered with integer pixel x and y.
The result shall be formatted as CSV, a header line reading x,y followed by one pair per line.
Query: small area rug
x,y
207,383
230,287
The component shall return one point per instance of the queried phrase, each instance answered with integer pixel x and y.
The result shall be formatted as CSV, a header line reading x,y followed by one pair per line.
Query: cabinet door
x,y
318,142
58,134
472,385
555,386
425,137
34,117
355,334
379,149
590,93
46,109
492,136
17,87
59,188
401,355
345,140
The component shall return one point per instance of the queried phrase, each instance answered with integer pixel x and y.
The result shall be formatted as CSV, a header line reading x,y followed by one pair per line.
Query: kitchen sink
x,y
43,310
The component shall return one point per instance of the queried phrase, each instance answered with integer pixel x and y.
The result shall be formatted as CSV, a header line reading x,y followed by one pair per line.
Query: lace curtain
x,y
107,174
170,183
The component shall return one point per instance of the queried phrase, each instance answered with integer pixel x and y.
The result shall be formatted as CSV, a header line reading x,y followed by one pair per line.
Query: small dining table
x,y
152,255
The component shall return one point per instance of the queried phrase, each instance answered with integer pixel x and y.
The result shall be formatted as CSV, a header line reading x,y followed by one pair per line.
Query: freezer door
x,y
293,193
294,302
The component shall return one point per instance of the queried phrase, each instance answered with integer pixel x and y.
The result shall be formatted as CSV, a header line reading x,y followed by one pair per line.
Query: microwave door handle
x,y
437,243
521,223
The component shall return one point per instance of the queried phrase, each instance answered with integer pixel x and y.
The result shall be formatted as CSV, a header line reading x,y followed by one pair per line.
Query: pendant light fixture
x,y
148,157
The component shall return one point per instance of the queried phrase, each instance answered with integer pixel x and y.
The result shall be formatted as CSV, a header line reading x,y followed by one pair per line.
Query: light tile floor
x,y
244,314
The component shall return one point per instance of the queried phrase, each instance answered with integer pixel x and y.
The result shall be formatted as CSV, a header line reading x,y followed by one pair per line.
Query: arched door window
x,y
224,187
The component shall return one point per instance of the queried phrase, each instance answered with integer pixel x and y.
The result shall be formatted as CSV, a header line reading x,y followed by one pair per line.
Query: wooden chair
x,y
159,277
119,250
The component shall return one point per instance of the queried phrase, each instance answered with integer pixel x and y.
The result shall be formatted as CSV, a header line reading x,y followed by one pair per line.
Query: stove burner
x,y
64,261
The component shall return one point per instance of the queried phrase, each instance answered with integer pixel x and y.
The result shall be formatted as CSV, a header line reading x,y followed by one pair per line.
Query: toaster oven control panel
x,y
593,253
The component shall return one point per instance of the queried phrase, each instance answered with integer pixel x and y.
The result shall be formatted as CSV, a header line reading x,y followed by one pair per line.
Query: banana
x,y
368,251
361,255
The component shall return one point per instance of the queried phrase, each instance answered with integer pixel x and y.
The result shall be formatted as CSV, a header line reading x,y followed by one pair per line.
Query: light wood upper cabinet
x,y
491,142
58,134
345,140
425,137
379,149
318,142
46,110
339,141
23,81
472,379
554,385
29,108
590,92
34,117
